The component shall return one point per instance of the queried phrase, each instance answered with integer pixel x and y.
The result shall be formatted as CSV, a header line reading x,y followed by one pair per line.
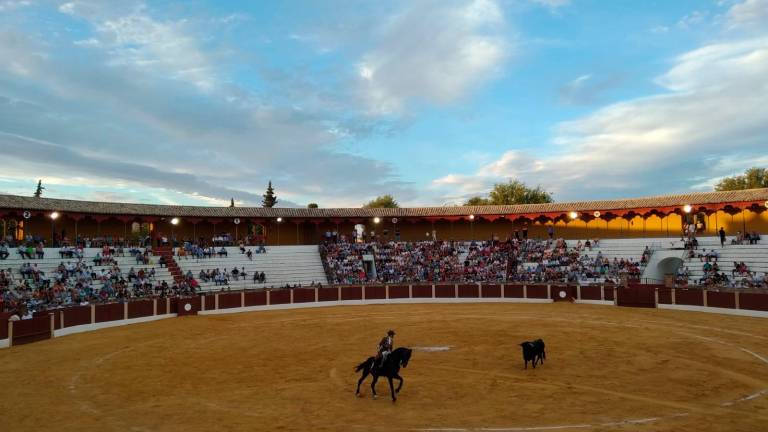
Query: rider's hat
x,y
391,332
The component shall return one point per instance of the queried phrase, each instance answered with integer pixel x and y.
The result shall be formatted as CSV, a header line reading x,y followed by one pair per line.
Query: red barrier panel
x,y
721,299
590,292
469,291
491,291
563,292
187,306
537,291
282,296
398,291
174,305
608,291
665,295
141,308
303,295
4,327
513,291
375,292
31,330
692,297
45,313
210,302
352,293
637,295
753,301
445,291
421,291
109,312
328,294
78,315
256,298
230,300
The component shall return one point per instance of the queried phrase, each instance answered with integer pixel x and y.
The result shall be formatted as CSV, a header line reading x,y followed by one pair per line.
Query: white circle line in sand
x,y
432,348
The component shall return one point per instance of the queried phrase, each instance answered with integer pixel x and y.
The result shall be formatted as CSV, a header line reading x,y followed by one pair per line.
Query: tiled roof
x,y
14,202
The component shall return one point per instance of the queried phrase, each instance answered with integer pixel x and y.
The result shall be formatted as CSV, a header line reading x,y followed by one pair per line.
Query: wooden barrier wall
x,y
40,327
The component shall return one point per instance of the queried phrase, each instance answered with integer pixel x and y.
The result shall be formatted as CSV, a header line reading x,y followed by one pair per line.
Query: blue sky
x,y
338,101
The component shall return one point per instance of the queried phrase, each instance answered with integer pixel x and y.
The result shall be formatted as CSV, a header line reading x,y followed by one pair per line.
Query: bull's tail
x,y
363,365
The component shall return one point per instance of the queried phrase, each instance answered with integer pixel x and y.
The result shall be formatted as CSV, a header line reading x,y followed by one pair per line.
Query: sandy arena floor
x,y
607,369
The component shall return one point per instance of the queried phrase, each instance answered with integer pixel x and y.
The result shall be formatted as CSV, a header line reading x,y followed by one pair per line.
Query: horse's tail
x,y
363,365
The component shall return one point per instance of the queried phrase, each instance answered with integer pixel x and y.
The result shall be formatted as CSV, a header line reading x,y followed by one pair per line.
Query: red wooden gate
x,y
637,295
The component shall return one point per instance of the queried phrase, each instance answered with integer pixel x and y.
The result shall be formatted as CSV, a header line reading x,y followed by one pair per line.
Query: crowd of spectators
x,y
517,259
80,281
223,277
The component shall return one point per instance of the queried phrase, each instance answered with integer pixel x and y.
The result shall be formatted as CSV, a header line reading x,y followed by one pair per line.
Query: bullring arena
x,y
640,346
607,368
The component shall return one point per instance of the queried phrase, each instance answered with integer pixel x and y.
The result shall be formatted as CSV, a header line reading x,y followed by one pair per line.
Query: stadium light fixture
x,y
175,221
54,215
687,208
471,217
596,214
573,215
376,220
279,219
766,204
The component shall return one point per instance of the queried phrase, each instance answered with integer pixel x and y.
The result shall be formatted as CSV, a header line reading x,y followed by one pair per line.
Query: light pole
x,y
572,216
54,216
174,222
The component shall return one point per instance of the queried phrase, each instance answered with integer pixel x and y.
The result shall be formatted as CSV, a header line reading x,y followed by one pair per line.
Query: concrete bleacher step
x,y
281,265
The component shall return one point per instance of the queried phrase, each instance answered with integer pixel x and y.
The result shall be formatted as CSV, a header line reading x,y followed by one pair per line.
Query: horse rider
x,y
385,347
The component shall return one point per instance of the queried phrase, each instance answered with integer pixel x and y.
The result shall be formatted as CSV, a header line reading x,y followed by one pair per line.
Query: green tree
x,y
232,202
512,192
270,199
752,178
39,190
312,205
477,201
383,201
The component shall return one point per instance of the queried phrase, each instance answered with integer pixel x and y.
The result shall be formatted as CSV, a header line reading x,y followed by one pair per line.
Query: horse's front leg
x,y
373,386
401,383
392,389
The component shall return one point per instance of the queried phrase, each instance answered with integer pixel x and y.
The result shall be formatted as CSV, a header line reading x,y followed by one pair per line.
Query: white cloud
x,y
9,5
553,4
712,108
435,52
121,114
133,38
692,19
751,14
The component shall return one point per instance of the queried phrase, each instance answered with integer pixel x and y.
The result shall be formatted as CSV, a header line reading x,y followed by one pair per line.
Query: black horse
x,y
389,369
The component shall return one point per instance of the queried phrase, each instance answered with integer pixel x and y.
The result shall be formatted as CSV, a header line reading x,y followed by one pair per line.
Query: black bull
x,y
533,351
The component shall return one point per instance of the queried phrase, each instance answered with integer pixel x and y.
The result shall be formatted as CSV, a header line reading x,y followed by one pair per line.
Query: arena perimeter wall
x,y
79,319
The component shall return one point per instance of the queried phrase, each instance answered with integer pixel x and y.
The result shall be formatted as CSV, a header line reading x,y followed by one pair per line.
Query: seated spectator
x,y
222,252
3,251
23,252
161,261
249,254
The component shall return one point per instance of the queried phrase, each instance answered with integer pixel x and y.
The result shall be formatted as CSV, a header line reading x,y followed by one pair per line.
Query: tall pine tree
x,y
270,199
39,190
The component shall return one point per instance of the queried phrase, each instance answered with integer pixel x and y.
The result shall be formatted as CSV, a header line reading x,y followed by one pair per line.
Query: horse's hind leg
x,y
401,383
392,389
360,381
373,386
